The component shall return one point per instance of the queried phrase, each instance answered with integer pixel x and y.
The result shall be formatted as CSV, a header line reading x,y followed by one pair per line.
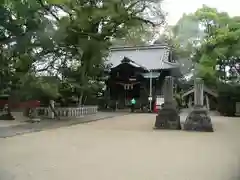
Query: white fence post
x,y
68,112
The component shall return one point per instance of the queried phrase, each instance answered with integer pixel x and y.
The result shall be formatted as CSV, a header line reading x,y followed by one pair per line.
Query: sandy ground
x,y
123,148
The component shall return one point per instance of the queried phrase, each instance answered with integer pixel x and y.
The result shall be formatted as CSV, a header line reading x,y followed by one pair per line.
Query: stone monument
x,y
198,119
168,117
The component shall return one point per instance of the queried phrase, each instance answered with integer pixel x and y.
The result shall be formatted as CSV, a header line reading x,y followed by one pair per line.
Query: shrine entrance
x,y
126,82
129,90
138,72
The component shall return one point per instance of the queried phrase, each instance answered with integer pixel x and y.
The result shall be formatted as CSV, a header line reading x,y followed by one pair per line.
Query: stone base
x,y
168,118
198,120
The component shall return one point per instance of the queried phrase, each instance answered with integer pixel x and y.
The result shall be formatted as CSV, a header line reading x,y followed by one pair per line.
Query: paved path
x,y
13,128
123,148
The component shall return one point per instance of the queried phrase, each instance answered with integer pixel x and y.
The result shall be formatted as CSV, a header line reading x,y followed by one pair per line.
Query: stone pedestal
x,y
168,117
198,119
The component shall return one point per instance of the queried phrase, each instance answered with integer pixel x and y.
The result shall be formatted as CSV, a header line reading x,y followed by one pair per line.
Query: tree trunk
x,y
53,110
80,99
85,99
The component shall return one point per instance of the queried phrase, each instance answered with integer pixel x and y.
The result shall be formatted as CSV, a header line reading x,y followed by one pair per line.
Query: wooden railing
x,y
68,112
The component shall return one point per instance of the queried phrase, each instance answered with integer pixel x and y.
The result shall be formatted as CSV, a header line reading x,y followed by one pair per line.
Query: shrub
x,y
228,95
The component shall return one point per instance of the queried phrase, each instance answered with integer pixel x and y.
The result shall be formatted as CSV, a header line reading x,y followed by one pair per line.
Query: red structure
x,y
26,104
155,108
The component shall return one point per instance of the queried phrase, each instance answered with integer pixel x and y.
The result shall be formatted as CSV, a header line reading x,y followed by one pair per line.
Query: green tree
x,y
183,38
218,55
22,28
67,40
88,32
187,31
140,35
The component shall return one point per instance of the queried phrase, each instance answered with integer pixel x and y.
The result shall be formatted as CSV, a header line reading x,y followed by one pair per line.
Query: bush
x,y
228,95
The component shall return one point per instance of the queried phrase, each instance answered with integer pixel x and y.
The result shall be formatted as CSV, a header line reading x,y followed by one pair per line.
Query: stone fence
x,y
66,112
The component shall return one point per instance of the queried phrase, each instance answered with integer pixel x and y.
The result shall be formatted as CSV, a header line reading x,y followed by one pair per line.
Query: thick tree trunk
x,y
54,112
85,99
80,99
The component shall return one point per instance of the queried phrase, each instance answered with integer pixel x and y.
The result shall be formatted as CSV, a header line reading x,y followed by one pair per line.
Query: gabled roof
x,y
153,57
205,89
132,63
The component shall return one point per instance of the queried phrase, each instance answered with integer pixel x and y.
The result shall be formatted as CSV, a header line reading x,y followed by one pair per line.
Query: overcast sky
x,y
175,8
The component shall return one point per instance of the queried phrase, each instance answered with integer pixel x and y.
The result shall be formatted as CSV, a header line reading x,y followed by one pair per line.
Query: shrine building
x,y
138,72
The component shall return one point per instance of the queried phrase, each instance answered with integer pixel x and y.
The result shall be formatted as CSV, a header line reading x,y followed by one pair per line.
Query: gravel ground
x,y
123,148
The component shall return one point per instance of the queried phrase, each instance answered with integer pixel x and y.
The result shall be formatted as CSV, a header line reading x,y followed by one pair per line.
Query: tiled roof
x,y
152,57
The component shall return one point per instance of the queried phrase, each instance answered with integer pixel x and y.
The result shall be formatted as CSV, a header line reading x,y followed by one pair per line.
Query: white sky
x,y
175,8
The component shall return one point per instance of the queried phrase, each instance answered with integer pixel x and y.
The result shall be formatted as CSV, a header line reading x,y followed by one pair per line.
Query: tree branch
x,y
48,9
145,21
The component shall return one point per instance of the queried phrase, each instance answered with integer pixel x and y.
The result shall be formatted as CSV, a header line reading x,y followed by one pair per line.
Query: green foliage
x,y
228,96
88,33
47,55
218,56
55,2
184,37
21,32
139,35
220,47
187,31
211,39
33,87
